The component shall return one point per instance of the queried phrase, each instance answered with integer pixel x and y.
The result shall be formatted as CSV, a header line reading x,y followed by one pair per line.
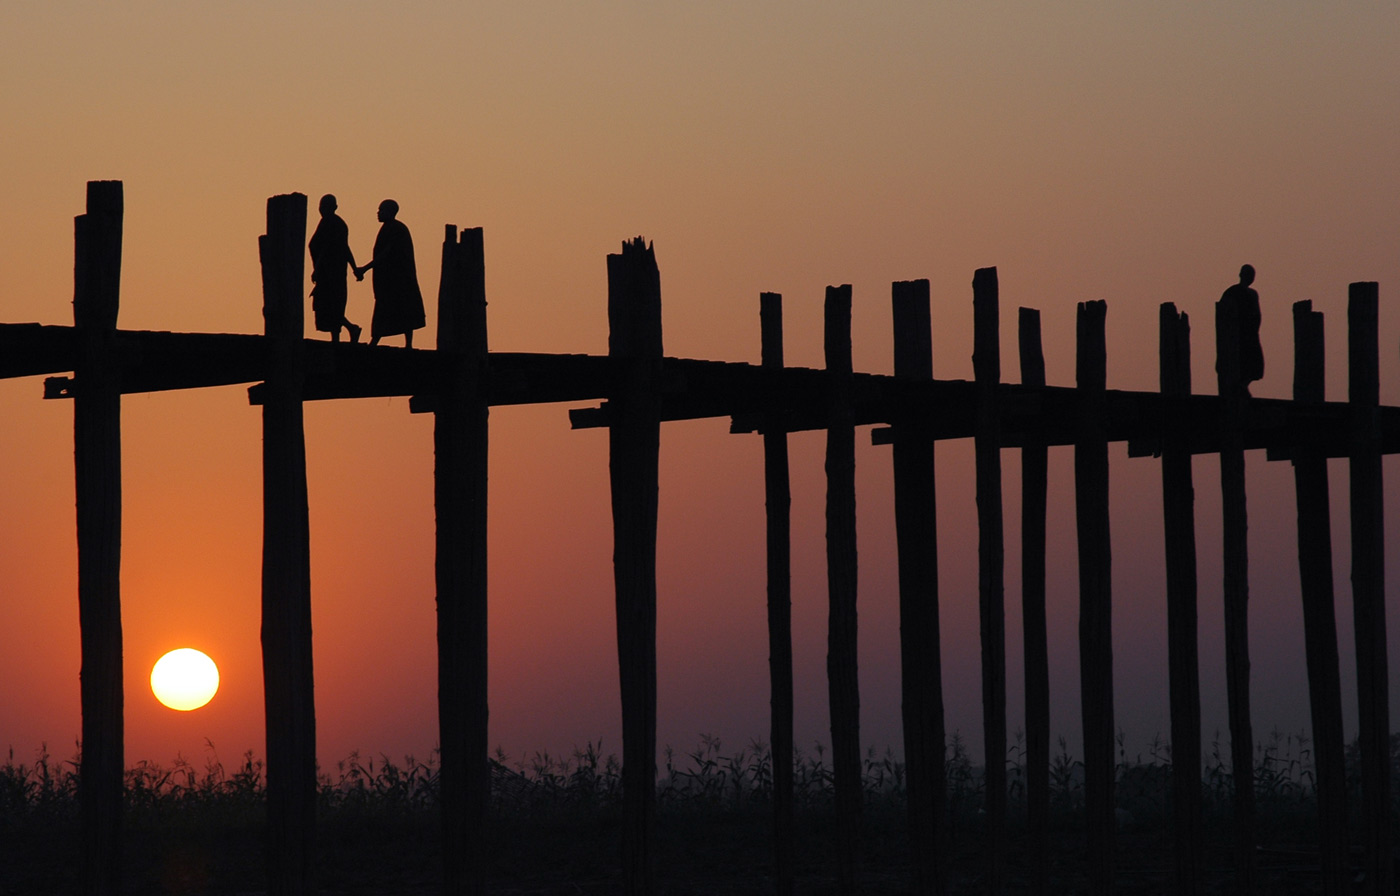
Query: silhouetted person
x,y
398,303
330,255
1243,302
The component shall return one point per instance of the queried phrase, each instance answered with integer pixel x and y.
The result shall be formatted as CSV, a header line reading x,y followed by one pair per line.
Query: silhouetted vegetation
x,y
556,819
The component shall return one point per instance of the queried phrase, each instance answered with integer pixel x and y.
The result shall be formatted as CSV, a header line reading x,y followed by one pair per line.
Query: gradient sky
x,y
1137,153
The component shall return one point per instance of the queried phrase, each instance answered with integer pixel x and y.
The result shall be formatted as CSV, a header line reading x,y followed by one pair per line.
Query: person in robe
x,y
330,257
1243,302
398,302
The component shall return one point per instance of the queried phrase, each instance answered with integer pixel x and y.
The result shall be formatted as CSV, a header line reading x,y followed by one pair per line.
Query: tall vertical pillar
x,y
778,505
1368,586
460,440
843,690
1183,661
98,484
286,572
916,534
991,554
1095,593
634,440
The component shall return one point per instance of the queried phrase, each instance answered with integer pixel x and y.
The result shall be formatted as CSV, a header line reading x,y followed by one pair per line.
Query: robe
x,y
398,303
330,258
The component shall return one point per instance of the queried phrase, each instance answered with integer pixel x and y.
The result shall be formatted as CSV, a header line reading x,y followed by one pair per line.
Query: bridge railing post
x,y
97,483
634,439
288,684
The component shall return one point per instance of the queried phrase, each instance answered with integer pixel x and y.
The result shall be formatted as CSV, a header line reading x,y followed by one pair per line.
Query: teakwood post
x,y
634,438
460,440
1234,406
1183,660
1095,593
1319,608
916,534
841,671
1034,485
991,589
286,569
777,492
1368,586
97,483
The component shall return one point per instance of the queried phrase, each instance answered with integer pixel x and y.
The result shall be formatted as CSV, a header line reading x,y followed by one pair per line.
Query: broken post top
x,y
282,252
1091,354
1309,353
634,302
97,269
770,322
838,329
1363,343
986,338
913,331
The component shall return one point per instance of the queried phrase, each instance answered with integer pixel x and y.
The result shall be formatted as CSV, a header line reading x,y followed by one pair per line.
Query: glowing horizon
x,y
1137,155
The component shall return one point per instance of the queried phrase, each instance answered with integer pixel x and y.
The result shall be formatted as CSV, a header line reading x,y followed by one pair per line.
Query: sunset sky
x,y
1137,153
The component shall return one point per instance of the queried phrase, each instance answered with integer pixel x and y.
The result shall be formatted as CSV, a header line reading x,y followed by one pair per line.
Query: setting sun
x,y
184,679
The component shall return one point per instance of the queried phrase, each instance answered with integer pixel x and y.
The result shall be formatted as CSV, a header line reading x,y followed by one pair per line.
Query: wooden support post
x,y
634,324
841,671
98,485
1368,586
986,364
1183,662
916,534
778,503
1034,484
286,570
1319,609
460,438
1234,405
1095,593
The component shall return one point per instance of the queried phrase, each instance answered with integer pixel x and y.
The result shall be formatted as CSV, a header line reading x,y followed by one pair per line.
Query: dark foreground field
x,y
555,827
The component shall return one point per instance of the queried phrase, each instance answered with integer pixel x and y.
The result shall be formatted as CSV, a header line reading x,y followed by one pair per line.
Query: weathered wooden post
x,y
1183,661
286,570
1034,484
841,671
1319,608
98,485
916,534
1095,592
1368,585
1234,405
634,439
460,437
986,364
778,503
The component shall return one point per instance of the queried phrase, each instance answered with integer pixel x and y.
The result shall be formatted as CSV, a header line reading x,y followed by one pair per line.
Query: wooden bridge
x,y
640,388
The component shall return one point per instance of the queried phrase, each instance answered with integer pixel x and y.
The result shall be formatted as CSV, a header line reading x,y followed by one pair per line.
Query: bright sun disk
x,y
184,679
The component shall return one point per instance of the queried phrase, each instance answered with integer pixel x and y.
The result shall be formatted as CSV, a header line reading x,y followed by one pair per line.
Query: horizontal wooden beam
x,y
788,399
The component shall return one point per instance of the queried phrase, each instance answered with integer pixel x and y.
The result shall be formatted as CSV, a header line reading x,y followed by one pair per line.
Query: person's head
x,y
327,204
1247,274
388,210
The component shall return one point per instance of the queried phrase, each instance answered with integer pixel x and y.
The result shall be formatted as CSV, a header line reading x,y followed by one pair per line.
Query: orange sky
x,y
1089,150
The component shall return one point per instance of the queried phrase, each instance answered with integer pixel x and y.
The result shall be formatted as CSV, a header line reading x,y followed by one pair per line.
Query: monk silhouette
x,y
330,255
398,303
1243,302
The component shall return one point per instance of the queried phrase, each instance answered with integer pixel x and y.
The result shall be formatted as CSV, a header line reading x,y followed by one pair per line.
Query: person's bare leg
x,y
408,339
353,330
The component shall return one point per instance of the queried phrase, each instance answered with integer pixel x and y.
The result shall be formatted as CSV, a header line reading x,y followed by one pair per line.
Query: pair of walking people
x,y
398,302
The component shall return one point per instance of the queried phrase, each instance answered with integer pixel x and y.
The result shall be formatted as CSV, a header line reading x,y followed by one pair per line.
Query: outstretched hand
x,y
359,273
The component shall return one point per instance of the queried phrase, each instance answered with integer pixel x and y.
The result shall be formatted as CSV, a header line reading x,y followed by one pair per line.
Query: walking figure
x,y
398,303
330,254
1242,302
